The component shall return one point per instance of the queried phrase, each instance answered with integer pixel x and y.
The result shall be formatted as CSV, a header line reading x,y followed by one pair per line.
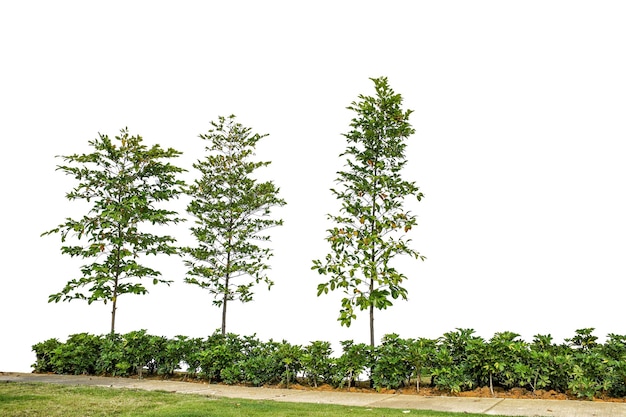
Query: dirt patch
x,y
428,391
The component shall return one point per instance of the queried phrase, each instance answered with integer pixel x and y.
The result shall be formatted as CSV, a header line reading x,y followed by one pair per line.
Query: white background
x,y
519,112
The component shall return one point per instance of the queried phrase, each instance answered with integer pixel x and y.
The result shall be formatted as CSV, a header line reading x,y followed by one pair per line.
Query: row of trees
x,y
126,184
457,361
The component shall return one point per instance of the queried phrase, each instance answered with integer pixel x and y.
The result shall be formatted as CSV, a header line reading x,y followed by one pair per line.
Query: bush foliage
x,y
457,361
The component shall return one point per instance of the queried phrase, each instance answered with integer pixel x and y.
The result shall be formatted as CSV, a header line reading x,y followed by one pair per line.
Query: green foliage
x,y
44,352
111,355
141,350
219,353
78,355
271,363
391,367
123,183
562,368
457,361
614,350
589,375
317,363
457,364
590,365
541,362
261,366
172,353
190,351
369,229
291,359
584,339
355,359
231,209
504,359
421,356
449,375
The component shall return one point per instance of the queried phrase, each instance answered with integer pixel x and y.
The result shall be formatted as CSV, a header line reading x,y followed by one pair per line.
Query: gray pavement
x,y
487,406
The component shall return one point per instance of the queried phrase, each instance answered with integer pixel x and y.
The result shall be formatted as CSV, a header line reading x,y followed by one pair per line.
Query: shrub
x,y
139,353
449,375
271,362
111,355
354,361
391,366
457,361
78,355
44,353
290,357
421,356
317,363
218,355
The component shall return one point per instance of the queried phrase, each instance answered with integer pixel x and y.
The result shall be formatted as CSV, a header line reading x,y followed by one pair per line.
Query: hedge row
x,y
455,362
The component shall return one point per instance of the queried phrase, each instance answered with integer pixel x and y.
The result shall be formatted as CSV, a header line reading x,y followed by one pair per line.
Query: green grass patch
x,y
51,400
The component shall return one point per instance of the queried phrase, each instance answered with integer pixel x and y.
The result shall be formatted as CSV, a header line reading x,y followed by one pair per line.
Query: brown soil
x,y
427,391
482,392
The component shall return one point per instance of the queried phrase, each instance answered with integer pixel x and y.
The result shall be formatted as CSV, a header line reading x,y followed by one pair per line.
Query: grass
x,y
51,400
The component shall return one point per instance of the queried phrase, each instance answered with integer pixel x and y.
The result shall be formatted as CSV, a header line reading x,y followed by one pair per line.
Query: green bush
x,y
78,355
317,363
139,352
111,355
44,353
614,350
290,357
391,366
457,361
421,356
219,354
449,375
457,365
271,363
354,361
191,355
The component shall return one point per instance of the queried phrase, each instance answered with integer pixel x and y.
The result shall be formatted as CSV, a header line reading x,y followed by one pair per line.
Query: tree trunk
x,y
227,277
114,308
117,278
224,304
373,255
418,372
372,315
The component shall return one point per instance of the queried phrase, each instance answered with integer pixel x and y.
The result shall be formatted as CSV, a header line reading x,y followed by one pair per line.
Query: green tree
x,y
123,184
372,193
231,209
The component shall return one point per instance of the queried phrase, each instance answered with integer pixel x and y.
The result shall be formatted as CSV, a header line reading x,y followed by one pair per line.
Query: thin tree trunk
x,y
114,302
373,258
226,288
113,310
224,303
418,372
372,315
117,278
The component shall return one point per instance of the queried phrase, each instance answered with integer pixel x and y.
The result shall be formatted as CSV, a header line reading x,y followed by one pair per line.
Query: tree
x,y
232,209
123,185
372,193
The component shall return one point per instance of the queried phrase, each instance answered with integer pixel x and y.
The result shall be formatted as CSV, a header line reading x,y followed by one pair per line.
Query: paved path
x,y
488,406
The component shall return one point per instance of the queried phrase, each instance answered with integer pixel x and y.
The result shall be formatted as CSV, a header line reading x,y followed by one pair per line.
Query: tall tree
x,y
372,193
232,209
124,183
